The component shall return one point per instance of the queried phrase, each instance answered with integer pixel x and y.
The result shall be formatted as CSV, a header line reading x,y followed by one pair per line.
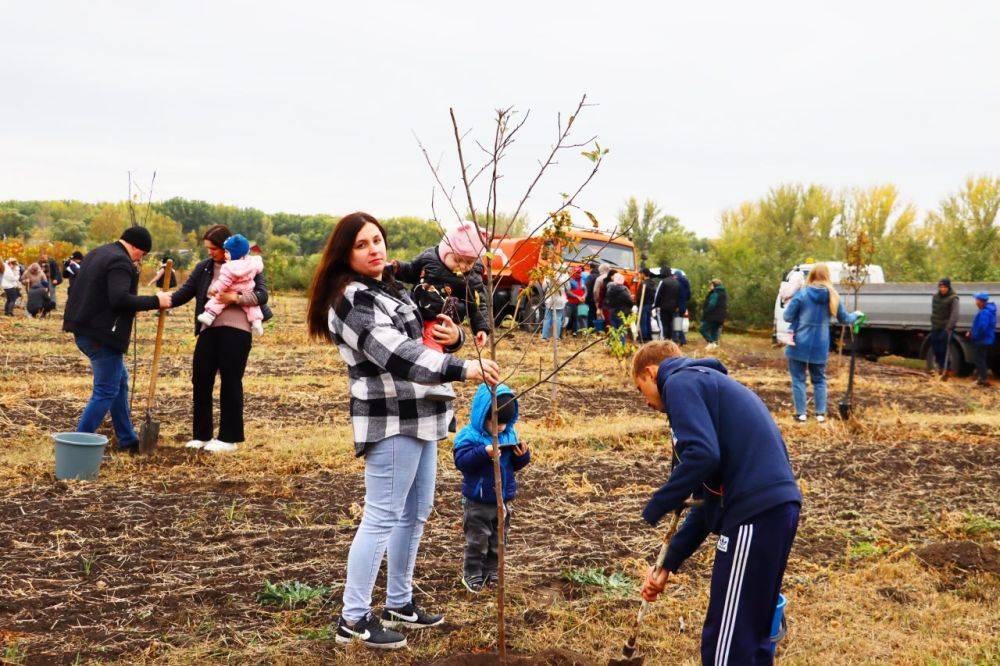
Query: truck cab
x,y
514,259
796,279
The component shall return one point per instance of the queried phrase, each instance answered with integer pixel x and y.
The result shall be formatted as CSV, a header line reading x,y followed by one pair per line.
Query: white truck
x,y
899,317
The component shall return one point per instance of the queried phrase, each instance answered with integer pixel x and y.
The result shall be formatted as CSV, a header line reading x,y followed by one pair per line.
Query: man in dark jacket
x,y
52,274
666,299
590,283
683,297
714,313
99,313
944,319
730,455
644,298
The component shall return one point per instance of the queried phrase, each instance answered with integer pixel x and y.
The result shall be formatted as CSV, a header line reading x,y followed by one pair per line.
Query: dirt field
x,y
163,560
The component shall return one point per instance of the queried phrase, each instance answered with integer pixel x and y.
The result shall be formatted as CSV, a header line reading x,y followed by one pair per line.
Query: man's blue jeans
x,y
817,373
553,324
110,392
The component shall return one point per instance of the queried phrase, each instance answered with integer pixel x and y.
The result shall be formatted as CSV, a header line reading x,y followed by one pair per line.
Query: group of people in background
x,y
39,279
945,309
596,296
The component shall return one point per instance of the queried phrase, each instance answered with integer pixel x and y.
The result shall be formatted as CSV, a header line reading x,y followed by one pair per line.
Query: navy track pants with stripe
x,y
750,562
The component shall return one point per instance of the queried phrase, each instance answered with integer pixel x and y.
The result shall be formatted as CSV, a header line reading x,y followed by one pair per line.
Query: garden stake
x,y
150,431
628,657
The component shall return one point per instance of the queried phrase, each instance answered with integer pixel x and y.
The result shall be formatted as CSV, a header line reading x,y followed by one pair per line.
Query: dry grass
x,y
161,560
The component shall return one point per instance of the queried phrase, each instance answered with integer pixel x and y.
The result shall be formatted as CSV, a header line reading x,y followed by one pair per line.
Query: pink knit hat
x,y
466,240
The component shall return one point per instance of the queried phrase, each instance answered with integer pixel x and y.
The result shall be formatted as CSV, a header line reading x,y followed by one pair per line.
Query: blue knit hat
x,y
237,246
982,296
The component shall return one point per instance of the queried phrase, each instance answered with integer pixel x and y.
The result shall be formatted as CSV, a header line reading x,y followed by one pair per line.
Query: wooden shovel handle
x,y
168,272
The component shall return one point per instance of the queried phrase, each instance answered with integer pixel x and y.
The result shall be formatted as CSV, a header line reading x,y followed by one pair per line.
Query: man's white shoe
x,y
711,345
195,444
821,418
215,446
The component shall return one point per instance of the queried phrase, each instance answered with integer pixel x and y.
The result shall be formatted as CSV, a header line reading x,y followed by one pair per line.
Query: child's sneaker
x,y
473,584
257,327
801,418
370,633
411,617
821,418
492,578
206,318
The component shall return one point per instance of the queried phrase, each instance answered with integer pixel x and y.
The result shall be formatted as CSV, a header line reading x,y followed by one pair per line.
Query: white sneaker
x,y
710,346
801,418
215,446
206,318
257,327
821,418
195,444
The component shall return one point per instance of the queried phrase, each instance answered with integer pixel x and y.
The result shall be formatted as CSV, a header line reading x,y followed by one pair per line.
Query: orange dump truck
x,y
515,258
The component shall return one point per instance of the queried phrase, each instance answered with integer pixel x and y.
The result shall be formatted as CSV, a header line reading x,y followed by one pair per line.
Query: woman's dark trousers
x,y
225,351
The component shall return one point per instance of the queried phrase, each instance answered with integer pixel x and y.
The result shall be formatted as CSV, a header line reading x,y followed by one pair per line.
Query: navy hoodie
x,y
729,450
470,450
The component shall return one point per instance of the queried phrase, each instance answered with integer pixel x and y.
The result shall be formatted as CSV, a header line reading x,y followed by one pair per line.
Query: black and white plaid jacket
x,y
378,331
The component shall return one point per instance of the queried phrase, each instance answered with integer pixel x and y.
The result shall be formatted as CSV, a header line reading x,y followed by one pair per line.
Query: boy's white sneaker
x,y
801,418
206,318
195,444
821,418
257,327
215,446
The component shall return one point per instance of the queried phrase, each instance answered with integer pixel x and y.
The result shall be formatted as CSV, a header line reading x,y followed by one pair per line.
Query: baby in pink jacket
x,y
236,275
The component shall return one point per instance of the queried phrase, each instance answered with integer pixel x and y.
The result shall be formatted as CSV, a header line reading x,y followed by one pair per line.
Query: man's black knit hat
x,y
138,237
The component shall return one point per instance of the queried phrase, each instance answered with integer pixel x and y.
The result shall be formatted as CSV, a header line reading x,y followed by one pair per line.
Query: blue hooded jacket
x,y
984,326
809,315
729,450
470,451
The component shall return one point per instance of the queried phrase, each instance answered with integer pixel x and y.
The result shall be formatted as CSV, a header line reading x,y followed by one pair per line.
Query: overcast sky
x,y
312,107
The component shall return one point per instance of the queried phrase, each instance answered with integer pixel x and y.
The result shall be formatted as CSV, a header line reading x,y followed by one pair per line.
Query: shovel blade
x,y
149,433
845,410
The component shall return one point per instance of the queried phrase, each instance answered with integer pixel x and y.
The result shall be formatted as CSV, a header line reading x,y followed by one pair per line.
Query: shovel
x,y
149,433
628,657
845,405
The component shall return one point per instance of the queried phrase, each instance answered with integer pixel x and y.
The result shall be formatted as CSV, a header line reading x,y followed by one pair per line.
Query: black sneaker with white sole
x,y
411,617
370,633
474,583
492,578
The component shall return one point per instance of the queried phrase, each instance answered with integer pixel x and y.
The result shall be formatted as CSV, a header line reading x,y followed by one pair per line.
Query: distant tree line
x,y
758,242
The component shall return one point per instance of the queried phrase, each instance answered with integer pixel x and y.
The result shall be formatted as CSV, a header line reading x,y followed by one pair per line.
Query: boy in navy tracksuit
x,y
474,458
729,453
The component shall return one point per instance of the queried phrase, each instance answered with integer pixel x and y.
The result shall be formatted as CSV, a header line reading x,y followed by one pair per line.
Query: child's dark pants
x,y
746,579
480,525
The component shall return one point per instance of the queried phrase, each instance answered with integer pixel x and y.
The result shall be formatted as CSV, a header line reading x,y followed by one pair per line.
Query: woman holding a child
x,y
400,408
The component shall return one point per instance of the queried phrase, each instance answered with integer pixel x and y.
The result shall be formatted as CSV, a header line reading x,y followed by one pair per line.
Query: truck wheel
x,y
956,362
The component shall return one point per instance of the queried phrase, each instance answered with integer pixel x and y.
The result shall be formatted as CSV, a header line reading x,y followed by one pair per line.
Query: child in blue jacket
x,y
983,334
730,455
474,458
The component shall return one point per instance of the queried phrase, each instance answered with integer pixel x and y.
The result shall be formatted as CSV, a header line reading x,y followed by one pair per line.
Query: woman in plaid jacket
x,y
400,407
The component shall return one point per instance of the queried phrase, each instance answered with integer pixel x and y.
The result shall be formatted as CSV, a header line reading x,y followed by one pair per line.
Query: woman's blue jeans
x,y
110,392
400,472
817,373
547,326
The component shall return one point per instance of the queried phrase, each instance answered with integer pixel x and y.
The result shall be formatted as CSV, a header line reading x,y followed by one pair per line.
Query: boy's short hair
x,y
654,353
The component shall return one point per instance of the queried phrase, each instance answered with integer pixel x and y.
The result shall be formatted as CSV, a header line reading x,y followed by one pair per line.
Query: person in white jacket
x,y
555,304
10,281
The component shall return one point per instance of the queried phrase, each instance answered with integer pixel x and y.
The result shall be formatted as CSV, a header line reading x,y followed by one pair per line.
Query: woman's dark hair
x,y
334,272
217,234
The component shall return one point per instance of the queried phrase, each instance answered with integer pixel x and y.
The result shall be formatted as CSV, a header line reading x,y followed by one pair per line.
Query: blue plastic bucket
x,y
79,454
778,629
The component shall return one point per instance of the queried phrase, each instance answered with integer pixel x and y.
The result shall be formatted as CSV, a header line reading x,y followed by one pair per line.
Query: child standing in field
x,y
236,275
474,458
731,456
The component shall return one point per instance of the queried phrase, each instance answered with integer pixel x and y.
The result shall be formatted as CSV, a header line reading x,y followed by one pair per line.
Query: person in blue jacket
x,y
474,458
682,304
983,334
728,454
809,313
